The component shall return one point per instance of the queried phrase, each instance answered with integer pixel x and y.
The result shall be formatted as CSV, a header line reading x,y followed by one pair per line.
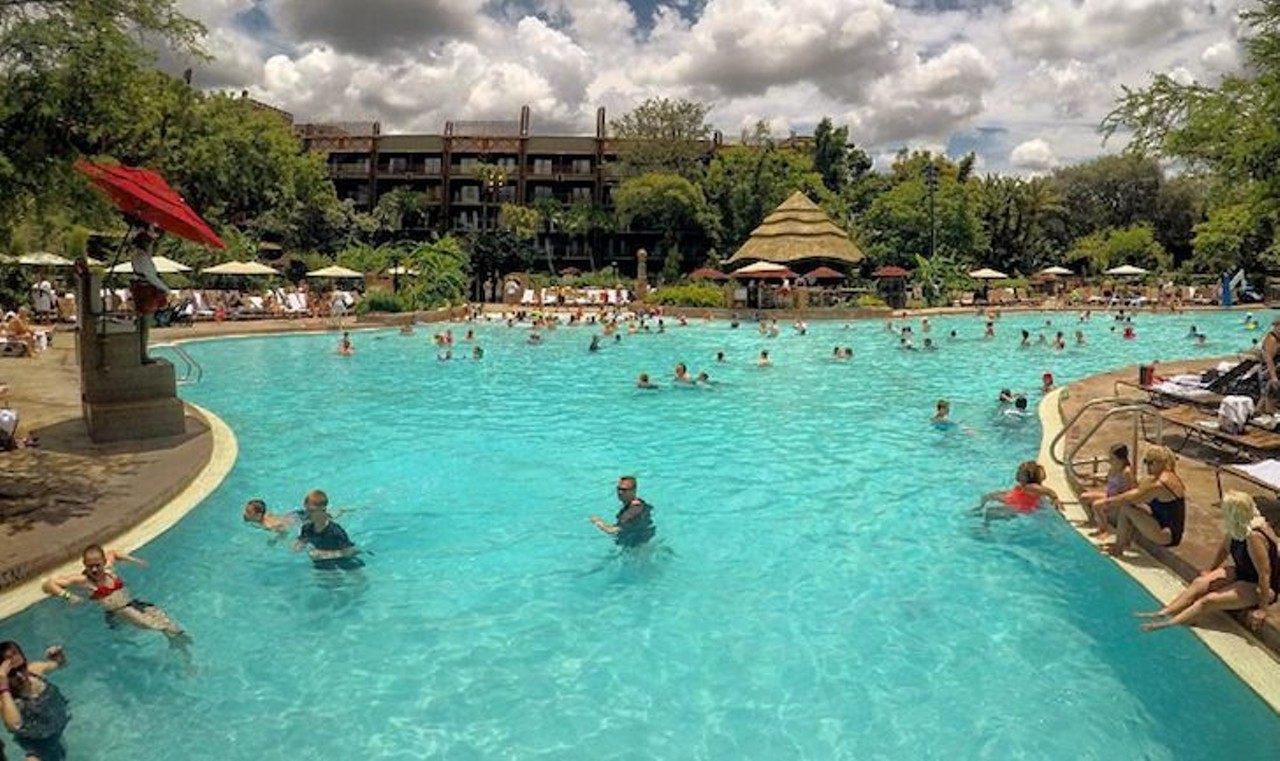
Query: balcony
x,y
349,170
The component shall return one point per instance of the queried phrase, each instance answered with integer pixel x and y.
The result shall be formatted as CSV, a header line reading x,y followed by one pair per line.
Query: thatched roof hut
x,y
795,231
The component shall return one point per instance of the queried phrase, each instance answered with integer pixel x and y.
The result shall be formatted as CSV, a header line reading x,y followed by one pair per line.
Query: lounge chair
x,y
203,311
1239,379
8,429
1195,423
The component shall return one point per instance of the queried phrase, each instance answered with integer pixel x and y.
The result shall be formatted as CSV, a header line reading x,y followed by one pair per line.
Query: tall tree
x,y
665,202
743,184
665,136
896,227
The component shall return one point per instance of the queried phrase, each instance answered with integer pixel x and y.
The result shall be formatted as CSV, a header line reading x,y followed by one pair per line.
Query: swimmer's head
x,y
1020,402
703,377
255,510
626,487
943,406
94,558
316,499
1030,472
1047,379
644,377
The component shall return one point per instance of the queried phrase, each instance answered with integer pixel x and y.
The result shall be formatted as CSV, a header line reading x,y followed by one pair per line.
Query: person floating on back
x,y
633,525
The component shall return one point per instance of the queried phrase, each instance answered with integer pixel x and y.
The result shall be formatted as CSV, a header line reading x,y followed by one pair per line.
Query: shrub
x,y
869,300
693,295
379,300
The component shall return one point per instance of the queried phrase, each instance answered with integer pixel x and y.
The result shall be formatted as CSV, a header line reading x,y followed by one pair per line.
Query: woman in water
x,y
1029,492
1250,581
31,706
1119,480
345,349
107,589
1156,507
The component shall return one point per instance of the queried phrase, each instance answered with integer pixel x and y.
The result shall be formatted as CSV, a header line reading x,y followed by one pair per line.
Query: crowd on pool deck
x,y
1244,573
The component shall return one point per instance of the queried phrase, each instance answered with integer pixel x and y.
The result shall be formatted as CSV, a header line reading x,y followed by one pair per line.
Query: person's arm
x,y
607,528
8,708
1269,346
1041,490
1220,556
55,659
125,557
1266,595
57,587
1143,492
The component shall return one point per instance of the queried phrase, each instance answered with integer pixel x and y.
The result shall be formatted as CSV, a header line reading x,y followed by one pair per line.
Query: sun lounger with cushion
x,y
1198,425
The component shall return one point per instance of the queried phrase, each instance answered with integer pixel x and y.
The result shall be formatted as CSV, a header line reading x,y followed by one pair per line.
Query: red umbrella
x,y
890,271
824,273
707,273
144,194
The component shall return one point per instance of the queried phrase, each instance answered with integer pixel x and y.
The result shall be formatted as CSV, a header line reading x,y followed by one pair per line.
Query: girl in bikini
x,y
107,589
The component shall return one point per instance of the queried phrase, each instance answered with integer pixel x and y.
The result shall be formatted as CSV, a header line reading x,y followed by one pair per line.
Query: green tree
x,y
665,202
1107,192
743,184
896,227
400,210
1015,214
443,267
1232,236
1136,244
663,136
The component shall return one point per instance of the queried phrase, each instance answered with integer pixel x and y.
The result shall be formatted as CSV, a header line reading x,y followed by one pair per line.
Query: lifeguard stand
x,y
124,394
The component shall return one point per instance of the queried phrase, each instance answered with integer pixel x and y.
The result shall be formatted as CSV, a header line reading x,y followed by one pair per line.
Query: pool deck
x,y
1163,570
70,492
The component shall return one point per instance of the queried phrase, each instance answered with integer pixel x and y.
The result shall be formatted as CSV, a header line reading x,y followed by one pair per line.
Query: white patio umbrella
x,y
44,259
764,269
986,273
1056,271
239,268
1126,270
399,270
334,271
163,265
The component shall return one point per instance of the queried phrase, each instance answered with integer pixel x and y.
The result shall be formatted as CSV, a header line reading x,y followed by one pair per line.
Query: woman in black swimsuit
x,y
1156,507
1250,581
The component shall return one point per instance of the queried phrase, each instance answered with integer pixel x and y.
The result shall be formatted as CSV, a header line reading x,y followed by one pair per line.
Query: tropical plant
x,y
691,295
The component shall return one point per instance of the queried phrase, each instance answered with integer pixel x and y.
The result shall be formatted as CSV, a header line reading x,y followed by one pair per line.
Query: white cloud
x,y
1034,155
898,74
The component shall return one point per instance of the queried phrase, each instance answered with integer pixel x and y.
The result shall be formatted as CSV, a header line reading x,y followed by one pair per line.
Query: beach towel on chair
x,y
1234,413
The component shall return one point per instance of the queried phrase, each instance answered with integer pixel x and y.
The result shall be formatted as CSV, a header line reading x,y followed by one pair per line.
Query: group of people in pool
x,y
1243,574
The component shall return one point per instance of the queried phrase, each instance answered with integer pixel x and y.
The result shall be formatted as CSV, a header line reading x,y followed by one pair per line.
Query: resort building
x,y
473,167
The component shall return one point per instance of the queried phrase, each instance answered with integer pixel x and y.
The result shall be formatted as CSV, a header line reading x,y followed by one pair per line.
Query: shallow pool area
x,y
819,587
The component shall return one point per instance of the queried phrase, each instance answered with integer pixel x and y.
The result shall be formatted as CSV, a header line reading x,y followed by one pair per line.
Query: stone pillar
x,y
642,275
122,395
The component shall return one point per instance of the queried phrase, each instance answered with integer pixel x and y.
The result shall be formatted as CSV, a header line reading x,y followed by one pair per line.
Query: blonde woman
x,y
1250,580
1156,507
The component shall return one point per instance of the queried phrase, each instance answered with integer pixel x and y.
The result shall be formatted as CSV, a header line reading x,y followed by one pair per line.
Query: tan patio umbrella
x,y
164,265
1126,270
986,273
336,272
239,268
44,259
1058,271
763,270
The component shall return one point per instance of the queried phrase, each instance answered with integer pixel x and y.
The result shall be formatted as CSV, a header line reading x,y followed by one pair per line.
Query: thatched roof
x,y
795,231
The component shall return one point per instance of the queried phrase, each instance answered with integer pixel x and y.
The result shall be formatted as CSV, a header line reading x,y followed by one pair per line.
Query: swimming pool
x,y
819,589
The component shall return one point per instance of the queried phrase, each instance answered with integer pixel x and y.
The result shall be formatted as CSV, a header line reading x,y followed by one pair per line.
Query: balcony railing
x,y
348,170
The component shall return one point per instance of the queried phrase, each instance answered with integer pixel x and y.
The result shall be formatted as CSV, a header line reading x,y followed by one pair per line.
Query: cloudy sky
x,y
1023,83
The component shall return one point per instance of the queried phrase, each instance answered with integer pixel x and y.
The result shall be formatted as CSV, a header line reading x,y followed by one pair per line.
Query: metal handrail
x,y
192,370
1121,406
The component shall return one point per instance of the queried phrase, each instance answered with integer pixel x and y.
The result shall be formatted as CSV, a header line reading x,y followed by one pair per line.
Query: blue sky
x,y
1023,84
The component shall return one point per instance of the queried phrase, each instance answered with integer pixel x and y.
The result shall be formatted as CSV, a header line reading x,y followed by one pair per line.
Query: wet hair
x,y
317,497
254,507
93,548
1020,402
627,480
1030,472
943,404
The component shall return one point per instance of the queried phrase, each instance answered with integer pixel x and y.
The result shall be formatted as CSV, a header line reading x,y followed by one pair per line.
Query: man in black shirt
x,y
634,523
330,545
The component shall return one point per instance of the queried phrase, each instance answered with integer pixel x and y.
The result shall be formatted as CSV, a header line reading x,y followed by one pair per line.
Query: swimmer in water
x,y
942,415
1046,383
406,329
330,545
255,511
644,382
595,343
1026,339
477,353
1028,493
682,374
763,360
720,357
929,345
1080,338
107,589
345,348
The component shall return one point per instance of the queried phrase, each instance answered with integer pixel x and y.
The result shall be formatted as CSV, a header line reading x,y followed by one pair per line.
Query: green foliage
x,y
666,202
1017,216
442,274
399,210
839,162
380,300
1231,237
896,226
1135,245
869,301
940,276
744,184
692,295
521,221
663,136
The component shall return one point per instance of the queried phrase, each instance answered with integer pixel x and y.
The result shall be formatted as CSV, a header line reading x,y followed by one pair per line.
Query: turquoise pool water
x,y
819,588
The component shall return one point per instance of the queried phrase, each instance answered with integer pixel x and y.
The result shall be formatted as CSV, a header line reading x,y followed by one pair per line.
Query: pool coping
x,y
221,460
1234,645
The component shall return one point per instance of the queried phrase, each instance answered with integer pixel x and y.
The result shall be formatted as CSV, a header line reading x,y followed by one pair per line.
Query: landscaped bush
x,y
693,295
378,300
869,300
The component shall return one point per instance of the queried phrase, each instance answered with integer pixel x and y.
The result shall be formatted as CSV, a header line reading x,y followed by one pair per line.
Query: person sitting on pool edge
x,y
255,511
330,545
1156,507
633,525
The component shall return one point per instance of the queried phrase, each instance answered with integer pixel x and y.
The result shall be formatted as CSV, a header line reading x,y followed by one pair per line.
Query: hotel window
x,y
468,165
542,191
582,166
398,165
542,166
469,194
582,195
431,166
507,165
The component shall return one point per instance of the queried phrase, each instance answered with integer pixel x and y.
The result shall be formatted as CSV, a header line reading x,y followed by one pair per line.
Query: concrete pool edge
x,y
1238,650
221,460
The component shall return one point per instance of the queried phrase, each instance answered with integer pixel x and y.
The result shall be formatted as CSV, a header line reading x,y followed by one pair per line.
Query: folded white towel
x,y
1267,471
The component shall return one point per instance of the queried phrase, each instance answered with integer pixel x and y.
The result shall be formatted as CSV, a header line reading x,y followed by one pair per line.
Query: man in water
x,y
633,525
330,545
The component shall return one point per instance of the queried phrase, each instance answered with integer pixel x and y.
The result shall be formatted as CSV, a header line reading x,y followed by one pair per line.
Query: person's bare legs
x,y
1199,587
1133,518
1240,594
1086,501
